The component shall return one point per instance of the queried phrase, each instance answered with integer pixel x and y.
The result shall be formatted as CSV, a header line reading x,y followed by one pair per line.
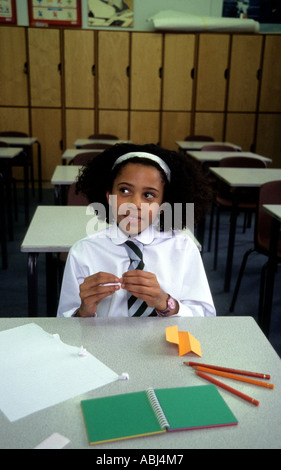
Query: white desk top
x,y
80,142
208,156
247,177
65,174
138,347
197,145
56,228
10,152
274,210
19,140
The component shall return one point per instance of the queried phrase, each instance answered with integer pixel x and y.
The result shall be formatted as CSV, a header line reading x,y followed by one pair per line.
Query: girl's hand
x,y
145,286
94,289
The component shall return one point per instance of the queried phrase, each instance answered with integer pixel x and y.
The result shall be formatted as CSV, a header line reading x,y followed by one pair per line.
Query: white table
x,y
28,142
197,145
64,175
138,347
237,179
274,210
53,229
204,156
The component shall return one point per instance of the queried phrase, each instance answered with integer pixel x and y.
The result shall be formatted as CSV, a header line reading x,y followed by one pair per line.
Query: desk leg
x,y
39,171
231,241
270,275
32,284
51,284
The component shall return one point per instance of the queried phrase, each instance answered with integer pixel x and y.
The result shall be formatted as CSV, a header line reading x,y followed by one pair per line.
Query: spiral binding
x,y
153,400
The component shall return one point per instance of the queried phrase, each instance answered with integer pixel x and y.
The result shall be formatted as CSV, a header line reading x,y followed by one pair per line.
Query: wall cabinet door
x,y
146,70
79,63
44,67
13,76
211,74
178,71
244,72
113,69
270,99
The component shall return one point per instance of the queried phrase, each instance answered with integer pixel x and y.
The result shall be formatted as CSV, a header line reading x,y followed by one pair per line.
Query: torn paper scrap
x,y
185,341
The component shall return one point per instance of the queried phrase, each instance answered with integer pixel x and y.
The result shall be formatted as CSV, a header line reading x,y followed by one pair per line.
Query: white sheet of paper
x,y
38,370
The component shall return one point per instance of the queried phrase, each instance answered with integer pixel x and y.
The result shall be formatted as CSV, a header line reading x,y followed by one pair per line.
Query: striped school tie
x,y
137,307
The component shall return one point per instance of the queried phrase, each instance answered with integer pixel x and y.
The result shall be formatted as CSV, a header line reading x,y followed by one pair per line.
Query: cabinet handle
x,y
59,68
226,74
160,72
25,68
258,75
94,70
192,72
128,71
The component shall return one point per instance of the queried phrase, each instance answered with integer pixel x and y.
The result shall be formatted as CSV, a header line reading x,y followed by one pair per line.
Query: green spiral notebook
x,y
155,411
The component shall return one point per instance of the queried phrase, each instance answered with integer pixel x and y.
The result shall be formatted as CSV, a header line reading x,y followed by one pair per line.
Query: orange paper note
x,y
186,342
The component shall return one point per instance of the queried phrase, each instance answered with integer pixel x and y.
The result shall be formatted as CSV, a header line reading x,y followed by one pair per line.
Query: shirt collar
x,y
145,237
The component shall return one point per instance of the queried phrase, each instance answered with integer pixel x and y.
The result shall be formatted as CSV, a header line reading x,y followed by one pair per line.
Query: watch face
x,y
171,303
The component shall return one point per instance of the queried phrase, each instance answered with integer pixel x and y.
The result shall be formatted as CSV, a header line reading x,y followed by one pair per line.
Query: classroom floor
x,y
13,281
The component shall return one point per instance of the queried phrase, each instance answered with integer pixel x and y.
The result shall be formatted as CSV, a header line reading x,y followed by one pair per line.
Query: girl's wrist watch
x,y
171,305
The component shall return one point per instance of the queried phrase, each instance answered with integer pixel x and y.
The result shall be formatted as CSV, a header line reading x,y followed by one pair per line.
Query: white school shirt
x,y
172,256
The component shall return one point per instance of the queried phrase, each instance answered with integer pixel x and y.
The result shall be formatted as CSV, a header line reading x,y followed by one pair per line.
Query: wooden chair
x,y
96,145
199,138
218,148
84,158
223,198
103,136
269,193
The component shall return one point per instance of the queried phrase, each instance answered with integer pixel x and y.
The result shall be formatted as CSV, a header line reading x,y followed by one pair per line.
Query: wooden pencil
x,y
235,377
227,388
227,369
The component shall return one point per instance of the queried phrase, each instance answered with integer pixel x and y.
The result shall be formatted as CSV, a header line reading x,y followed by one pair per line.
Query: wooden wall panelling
x,y
114,122
175,126
79,68
178,69
46,126
211,124
13,70
211,74
44,67
240,129
144,127
268,137
79,124
270,97
146,70
244,72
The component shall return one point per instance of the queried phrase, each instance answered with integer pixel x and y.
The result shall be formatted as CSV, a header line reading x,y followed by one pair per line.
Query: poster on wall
x,y
113,13
8,12
263,11
54,12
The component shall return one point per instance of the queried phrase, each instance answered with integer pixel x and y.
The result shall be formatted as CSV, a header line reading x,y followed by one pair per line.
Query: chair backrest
x,y
199,138
84,158
242,162
219,148
96,145
103,136
269,193
74,199
13,134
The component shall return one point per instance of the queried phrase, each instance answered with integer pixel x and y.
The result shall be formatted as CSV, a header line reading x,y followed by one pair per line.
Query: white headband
x,y
150,156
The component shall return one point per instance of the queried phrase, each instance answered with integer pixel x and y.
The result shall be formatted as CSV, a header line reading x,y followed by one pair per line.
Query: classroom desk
x,y
274,210
138,347
237,179
209,157
79,142
64,175
185,145
7,154
28,142
53,229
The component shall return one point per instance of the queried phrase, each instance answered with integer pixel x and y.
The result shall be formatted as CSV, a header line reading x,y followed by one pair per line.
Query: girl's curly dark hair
x,y
187,185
